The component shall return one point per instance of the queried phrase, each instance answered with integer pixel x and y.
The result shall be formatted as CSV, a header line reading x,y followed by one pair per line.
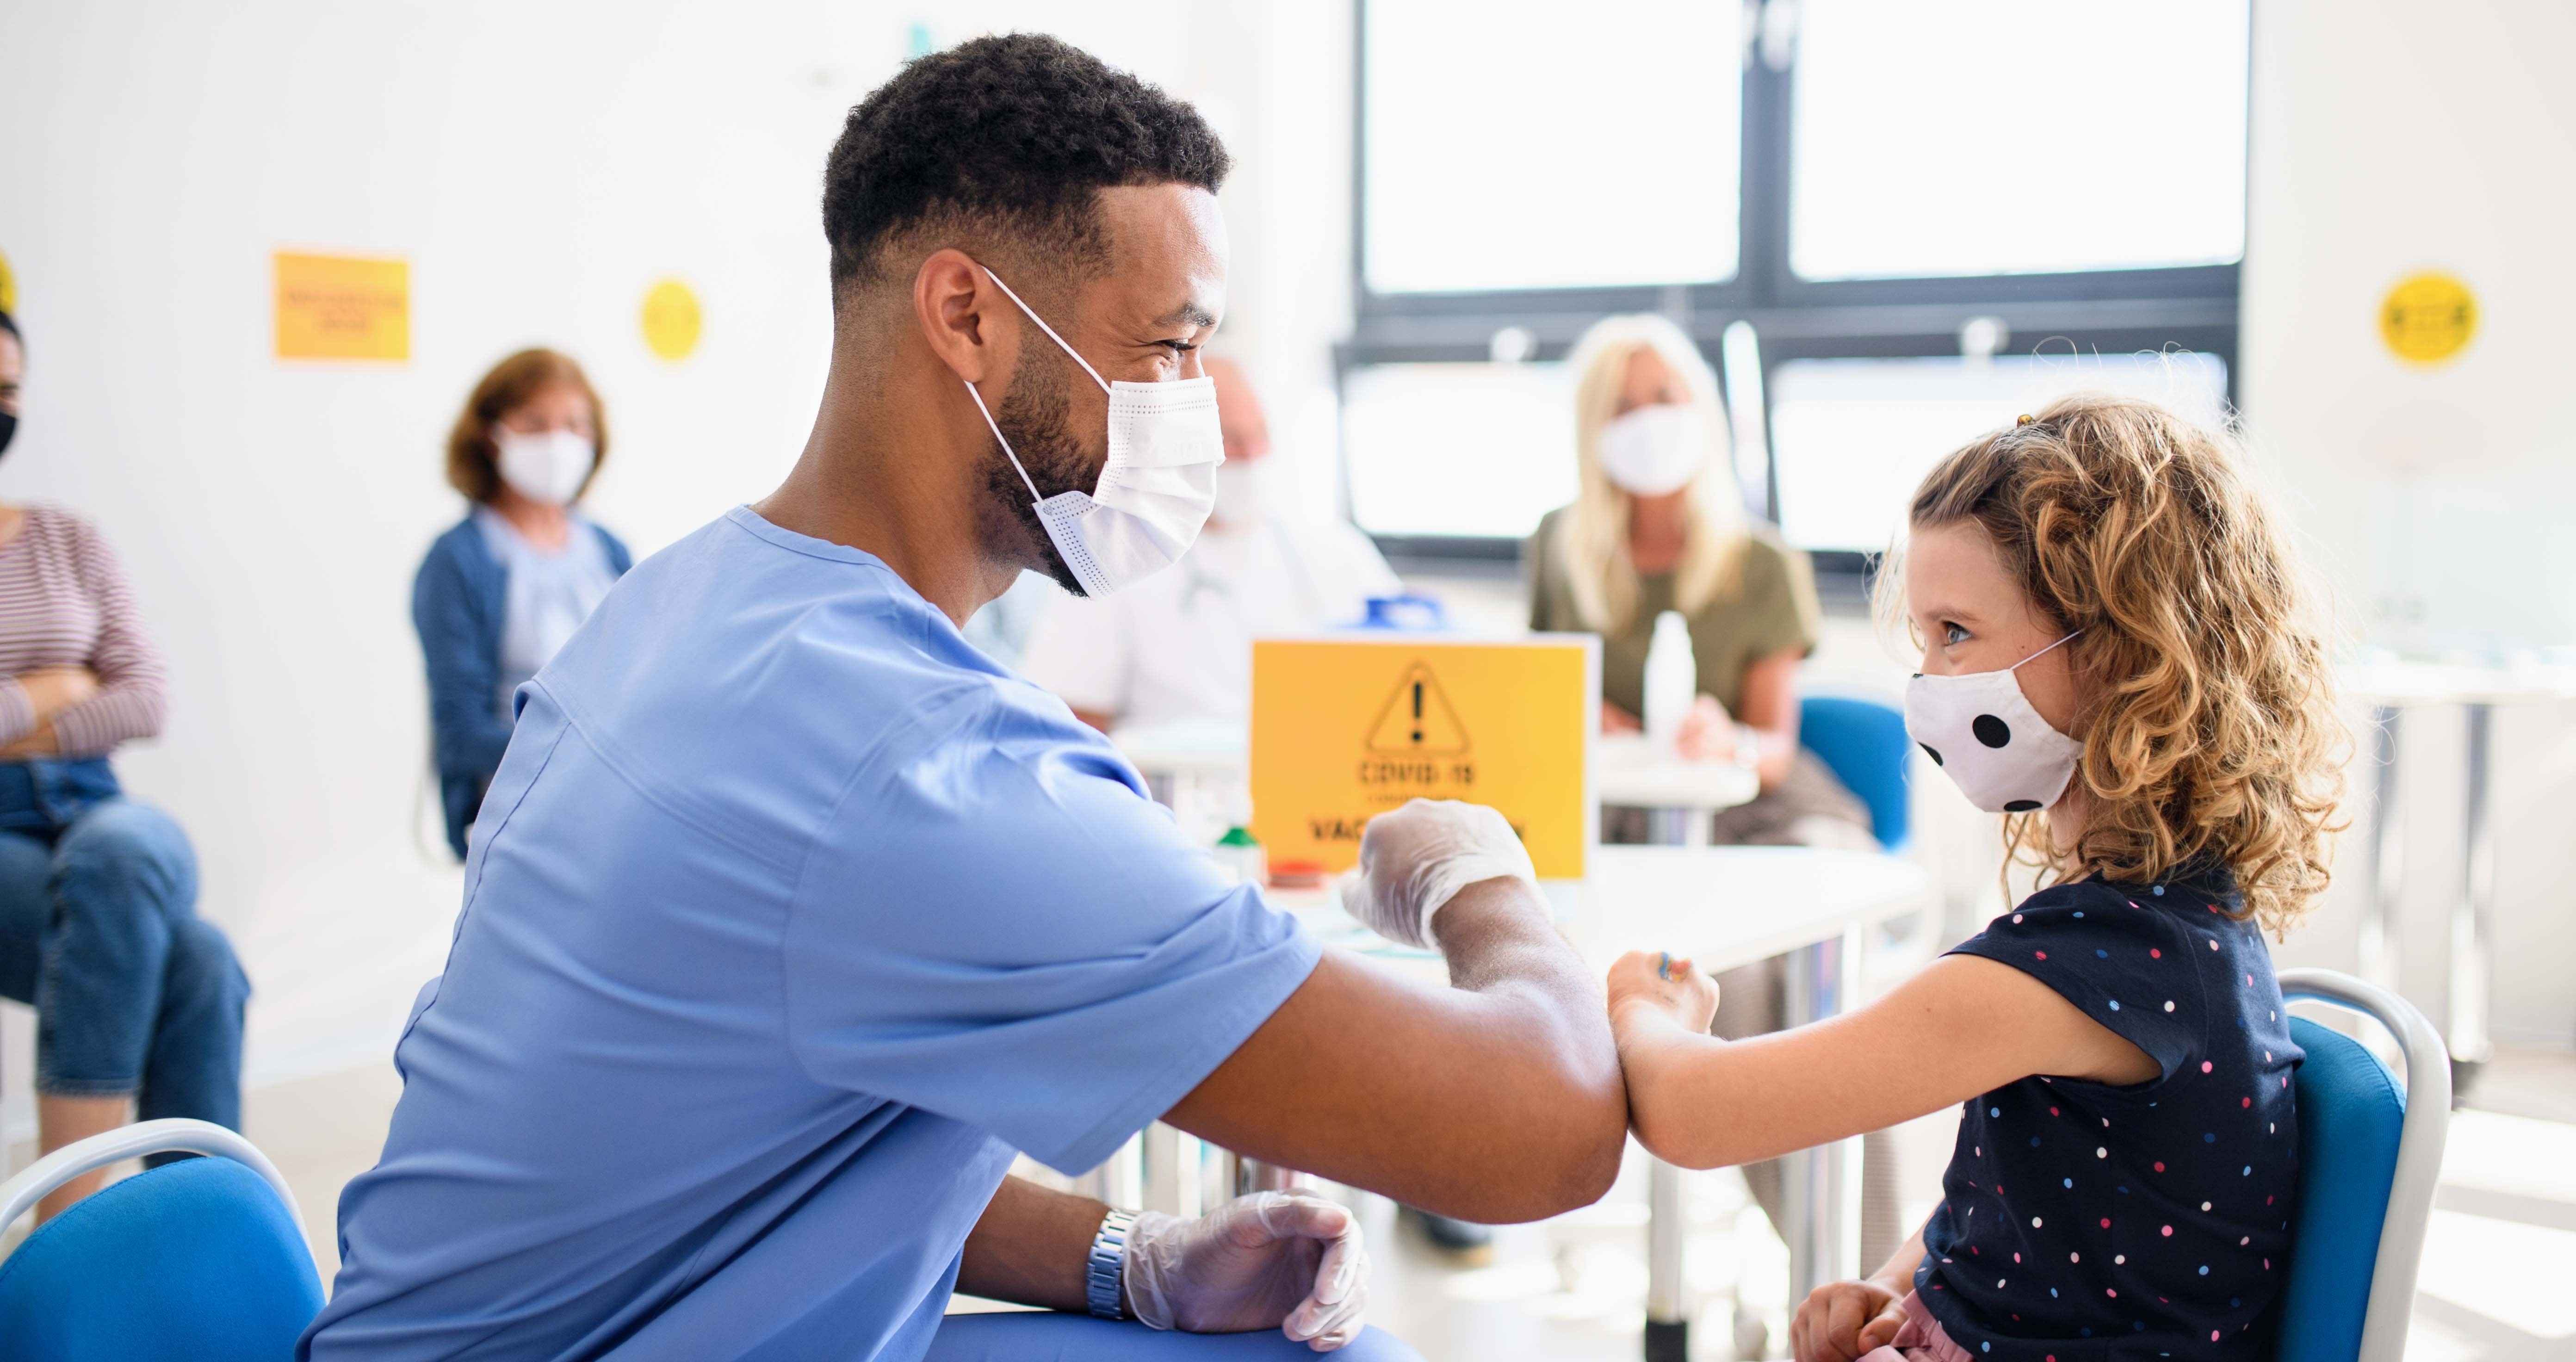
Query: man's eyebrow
x,y
1187,314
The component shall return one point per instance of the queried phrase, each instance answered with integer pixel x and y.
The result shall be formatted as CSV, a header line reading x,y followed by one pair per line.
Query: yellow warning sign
x,y
672,320
342,307
1344,729
8,287
2428,318
1418,720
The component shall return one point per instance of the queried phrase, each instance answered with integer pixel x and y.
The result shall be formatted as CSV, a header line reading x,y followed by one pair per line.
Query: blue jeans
x,y
99,930
1025,1336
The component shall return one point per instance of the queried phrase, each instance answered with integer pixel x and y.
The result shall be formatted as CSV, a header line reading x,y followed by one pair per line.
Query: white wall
x,y
2389,138
540,165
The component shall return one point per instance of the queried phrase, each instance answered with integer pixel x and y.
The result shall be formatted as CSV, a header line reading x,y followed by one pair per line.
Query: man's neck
x,y
887,471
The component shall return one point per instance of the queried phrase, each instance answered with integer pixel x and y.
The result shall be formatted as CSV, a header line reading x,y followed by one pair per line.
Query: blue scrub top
x,y
789,916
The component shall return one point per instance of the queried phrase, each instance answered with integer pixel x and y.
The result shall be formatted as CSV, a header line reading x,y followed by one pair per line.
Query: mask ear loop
x,y
1049,330
1034,497
2034,657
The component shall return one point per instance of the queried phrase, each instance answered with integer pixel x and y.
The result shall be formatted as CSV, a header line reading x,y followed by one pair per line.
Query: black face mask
x,y
8,427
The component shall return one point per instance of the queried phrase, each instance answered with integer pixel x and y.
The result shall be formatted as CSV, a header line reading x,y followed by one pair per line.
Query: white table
x,y
1723,907
2392,688
1678,795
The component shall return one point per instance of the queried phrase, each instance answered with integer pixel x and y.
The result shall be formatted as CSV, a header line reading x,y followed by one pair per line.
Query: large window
x,y
1523,151
1917,220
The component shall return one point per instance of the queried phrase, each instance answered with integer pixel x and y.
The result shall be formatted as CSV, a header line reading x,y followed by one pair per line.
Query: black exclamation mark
x,y
1417,714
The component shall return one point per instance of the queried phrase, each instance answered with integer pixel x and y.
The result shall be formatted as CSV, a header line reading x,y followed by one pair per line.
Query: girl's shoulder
x,y
2144,960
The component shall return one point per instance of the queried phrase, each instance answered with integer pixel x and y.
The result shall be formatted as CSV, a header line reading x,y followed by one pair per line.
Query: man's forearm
x,y
1032,1247
1498,1099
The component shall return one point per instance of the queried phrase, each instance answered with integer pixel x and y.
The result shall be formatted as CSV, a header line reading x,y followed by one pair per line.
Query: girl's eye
x,y
1952,635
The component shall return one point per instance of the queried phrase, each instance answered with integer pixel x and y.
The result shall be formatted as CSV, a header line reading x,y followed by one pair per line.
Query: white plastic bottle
x,y
1672,680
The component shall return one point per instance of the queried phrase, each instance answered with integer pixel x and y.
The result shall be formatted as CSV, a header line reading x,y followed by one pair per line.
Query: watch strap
x,y
1108,1265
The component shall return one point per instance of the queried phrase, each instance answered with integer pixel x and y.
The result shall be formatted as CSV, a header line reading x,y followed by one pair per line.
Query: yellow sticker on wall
x,y
671,320
2428,318
342,307
8,287
1345,729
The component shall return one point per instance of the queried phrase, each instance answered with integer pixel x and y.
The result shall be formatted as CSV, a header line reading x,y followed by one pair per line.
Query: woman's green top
x,y
1770,607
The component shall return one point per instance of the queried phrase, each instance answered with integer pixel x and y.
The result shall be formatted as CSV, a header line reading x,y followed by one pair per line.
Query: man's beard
x,y
1035,418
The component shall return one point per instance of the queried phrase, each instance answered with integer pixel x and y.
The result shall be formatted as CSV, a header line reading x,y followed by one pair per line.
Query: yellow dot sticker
x,y
672,320
8,287
2428,318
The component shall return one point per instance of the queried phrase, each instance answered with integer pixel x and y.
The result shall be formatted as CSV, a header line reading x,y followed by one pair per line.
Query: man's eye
x,y
1952,635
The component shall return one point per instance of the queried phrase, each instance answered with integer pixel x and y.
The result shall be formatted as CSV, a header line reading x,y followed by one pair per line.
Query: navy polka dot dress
x,y
2083,1221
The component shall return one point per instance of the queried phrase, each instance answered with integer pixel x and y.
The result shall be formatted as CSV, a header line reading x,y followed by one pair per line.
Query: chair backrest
x,y
1863,743
2370,1154
201,1259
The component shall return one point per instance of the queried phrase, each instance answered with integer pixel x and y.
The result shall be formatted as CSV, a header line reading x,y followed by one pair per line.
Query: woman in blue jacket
x,y
504,589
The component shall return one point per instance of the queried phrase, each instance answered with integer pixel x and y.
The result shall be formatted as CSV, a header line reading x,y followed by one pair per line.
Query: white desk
x,y
2392,688
1678,795
1723,907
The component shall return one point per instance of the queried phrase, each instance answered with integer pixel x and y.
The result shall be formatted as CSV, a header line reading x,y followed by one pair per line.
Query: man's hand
x,y
52,690
1272,1260
1663,985
1616,722
1843,1321
1415,859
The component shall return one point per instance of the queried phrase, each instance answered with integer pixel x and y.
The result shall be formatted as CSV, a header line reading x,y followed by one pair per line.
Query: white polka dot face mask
x,y
1981,730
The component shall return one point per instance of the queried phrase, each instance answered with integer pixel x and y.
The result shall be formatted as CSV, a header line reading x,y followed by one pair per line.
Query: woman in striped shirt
x,y
136,997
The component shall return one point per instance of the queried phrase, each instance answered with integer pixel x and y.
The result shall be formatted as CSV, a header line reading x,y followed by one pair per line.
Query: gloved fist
x,y
1269,1260
1416,858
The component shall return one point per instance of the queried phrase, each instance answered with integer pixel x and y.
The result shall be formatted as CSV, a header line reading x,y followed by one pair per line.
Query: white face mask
x,y
1156,489
1980,729
548,467
1655,450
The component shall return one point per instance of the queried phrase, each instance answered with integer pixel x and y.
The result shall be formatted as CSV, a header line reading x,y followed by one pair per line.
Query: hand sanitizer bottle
x,y
1672,680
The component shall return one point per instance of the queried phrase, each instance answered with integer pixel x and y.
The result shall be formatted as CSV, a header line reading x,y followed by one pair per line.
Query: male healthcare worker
x,y
790,916
1177,647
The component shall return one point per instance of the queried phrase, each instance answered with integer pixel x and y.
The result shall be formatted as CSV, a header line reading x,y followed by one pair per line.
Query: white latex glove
x,y
1269,1260
1416,858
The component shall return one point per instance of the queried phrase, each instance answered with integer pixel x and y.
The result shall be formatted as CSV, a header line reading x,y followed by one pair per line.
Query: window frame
x,y
2096,311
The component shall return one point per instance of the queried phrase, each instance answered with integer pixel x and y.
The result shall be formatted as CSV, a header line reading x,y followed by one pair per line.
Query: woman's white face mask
x,y
1156,489
548,467
1655,450
1981,730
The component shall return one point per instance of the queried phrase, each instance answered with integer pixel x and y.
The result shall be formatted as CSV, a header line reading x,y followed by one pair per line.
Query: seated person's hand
x,y
1415,858
1616,721
1647,984
1708,731
1272,1260
51,690
1843,1321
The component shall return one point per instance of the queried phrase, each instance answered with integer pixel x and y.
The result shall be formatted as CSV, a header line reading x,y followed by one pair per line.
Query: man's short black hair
x,y
1019,132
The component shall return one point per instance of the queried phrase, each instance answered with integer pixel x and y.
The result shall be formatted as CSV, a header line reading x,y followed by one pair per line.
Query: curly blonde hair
x,y
2210,731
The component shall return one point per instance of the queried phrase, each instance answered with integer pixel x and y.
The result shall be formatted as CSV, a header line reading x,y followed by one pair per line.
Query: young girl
x,y
2116,656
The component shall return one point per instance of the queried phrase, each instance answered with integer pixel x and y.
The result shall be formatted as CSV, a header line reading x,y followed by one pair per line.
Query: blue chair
x,y
2370,1154
1863,743
201,1258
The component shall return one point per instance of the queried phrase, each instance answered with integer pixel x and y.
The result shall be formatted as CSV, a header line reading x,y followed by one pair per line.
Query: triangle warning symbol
x,y
1417,720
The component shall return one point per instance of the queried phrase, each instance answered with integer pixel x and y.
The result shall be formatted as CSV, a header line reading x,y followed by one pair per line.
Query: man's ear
x,y
965,318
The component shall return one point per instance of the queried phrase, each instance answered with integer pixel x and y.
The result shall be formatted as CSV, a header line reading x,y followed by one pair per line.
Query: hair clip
x,y
2022,420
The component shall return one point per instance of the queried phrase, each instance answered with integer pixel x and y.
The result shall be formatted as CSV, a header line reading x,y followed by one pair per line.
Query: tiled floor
x,y
2501,1249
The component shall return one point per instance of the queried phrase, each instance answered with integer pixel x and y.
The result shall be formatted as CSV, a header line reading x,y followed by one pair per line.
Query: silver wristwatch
x,y
1108,1265
1748,746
